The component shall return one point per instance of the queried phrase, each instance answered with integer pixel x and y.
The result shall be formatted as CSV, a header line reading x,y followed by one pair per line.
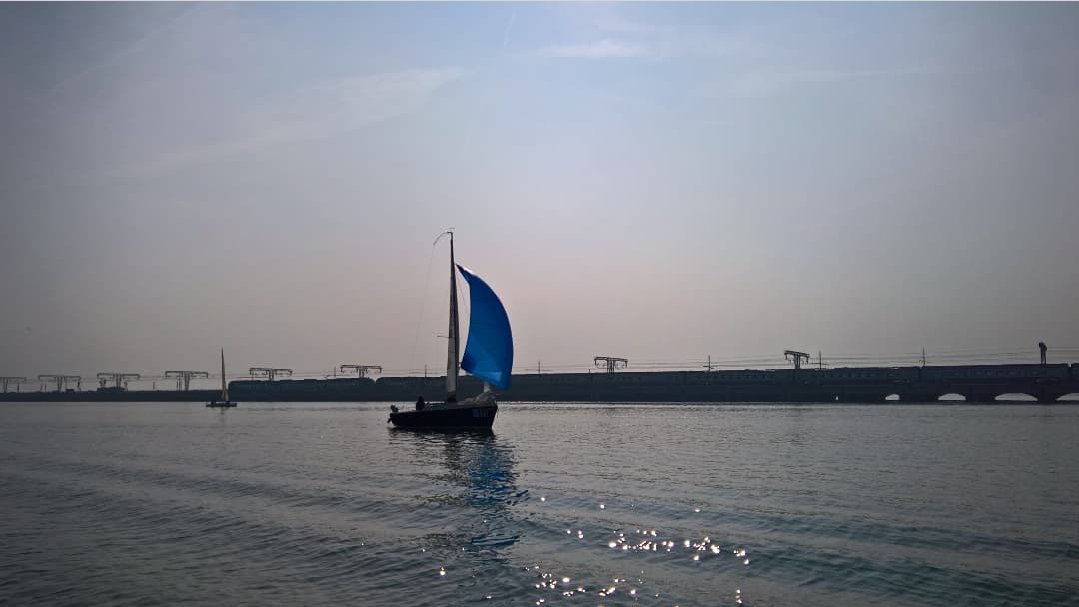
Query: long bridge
x,y
1045,383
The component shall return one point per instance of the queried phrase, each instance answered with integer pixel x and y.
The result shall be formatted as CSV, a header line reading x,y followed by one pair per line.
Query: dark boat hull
x,y
221,405
448,417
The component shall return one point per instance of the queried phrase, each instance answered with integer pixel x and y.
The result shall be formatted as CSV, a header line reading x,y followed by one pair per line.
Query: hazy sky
x,y
661,182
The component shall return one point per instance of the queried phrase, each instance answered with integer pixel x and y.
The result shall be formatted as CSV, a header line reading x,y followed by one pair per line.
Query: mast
x,y
452,358
224,386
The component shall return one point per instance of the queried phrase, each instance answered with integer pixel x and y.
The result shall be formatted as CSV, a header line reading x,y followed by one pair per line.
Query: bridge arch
x,y
1069,397
893,397
952,397
1016,397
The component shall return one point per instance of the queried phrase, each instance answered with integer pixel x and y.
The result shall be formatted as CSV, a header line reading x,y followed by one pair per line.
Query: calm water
x,y
651,505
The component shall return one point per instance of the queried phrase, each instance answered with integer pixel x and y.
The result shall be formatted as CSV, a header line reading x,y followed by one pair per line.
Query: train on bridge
x,y
974,383
979,383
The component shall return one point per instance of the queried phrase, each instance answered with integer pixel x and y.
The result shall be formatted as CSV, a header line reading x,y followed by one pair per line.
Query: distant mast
x,y
224,386
452,354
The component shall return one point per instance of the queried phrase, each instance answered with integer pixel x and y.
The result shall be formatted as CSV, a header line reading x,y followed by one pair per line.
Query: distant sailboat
x,y
224,402
488,356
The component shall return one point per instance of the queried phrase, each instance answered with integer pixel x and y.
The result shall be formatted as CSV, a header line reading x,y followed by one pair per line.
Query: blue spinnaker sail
x,y
489,352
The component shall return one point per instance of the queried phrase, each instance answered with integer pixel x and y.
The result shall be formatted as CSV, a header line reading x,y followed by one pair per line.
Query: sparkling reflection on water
x,y
576,504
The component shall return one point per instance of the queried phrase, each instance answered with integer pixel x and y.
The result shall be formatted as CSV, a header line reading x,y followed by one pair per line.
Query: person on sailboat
x,y
420,404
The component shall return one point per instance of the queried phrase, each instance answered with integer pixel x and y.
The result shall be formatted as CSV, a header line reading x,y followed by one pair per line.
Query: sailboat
x,y
488,356
224,402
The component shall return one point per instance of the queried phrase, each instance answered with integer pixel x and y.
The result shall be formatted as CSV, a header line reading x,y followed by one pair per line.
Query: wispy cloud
x,y
136,46
619,24
348,104
621,38
314,112
509,28
761,83
607,48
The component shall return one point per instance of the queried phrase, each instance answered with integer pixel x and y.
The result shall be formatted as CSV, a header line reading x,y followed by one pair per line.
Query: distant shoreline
x,y
880,385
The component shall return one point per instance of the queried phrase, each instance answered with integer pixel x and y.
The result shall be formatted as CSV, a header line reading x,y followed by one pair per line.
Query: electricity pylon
x,y
4,381
61,380
361,370
268,372
797,357
611,363
183,378
118,378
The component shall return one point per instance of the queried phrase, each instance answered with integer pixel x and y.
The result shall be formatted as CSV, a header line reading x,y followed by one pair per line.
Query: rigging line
x,y
423,305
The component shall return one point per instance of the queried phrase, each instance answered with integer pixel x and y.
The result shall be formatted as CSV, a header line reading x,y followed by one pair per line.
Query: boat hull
x,y
221,405
446,416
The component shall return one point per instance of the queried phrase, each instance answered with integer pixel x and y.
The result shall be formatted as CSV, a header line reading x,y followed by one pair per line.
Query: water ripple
x,y
619,505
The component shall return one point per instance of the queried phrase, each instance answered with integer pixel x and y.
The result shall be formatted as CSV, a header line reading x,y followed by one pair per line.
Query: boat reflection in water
x,y
474,483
